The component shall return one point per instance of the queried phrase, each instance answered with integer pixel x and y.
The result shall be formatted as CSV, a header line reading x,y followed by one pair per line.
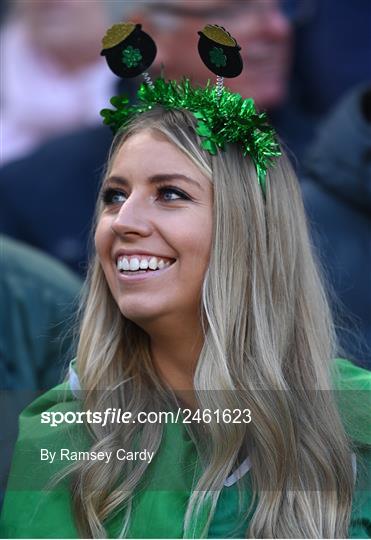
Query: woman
x,y
203,293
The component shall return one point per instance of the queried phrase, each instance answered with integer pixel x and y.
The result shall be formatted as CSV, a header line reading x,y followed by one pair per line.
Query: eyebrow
x,y
162,8
156,179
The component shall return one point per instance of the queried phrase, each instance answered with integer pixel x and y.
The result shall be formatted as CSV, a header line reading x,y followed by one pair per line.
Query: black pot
x,y
232,58
144,54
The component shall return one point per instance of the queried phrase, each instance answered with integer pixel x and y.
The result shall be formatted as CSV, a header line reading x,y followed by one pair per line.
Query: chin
x,y
140,315
268,93
271,96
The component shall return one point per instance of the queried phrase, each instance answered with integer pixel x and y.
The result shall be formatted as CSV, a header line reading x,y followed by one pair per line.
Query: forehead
x,y
202,4
149,153
207,9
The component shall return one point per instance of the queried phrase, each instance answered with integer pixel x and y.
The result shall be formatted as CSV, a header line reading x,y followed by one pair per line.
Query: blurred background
x,y
300,57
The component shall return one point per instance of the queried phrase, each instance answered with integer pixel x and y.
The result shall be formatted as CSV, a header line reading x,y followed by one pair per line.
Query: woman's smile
x,y
139,266
140,275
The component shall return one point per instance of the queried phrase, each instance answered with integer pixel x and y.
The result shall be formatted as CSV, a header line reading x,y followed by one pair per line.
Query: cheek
x,y
197,244
205,235
98,240
103,240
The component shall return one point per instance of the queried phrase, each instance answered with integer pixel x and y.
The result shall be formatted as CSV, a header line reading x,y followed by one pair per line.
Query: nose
x,y
163,60
277,23
133,219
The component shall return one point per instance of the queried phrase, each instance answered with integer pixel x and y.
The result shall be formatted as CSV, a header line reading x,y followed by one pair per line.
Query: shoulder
x,y
35,502
43,419
352,385
51,423
62,169
90,144
42,272
349,376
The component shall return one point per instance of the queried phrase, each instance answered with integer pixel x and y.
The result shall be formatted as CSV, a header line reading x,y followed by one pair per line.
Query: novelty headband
x,y
222,116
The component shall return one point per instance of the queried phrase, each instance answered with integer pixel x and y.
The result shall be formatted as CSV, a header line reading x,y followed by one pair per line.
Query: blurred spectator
x,y
58,183
332,54
37,296
37,301
4,6
260,28
337,196
47,199
332,50
53,78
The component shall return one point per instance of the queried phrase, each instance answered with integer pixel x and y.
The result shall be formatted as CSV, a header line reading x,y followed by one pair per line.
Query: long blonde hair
x,y
268,335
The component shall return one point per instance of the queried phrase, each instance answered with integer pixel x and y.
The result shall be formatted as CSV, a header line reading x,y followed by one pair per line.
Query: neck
x,y
175,350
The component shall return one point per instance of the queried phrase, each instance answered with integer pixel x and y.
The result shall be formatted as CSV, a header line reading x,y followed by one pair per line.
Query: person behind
x,y
38,297
202,294
336,188
262,30
328,61
60,182
53,80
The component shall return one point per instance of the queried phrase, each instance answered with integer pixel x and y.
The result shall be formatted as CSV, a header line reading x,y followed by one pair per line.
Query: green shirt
x,y
159,505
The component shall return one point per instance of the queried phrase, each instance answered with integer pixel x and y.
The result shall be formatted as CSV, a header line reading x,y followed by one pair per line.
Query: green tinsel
x,y
221,119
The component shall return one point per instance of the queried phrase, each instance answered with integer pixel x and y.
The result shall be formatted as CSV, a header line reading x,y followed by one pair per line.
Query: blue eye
x,y
172,194
113,196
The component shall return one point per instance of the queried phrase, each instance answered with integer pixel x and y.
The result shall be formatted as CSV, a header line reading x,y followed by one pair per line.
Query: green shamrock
x,y
131,57
217,57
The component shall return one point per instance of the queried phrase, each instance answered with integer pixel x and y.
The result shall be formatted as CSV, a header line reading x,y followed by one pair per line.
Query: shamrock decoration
x,y
217,57
129,51
219,51
131,57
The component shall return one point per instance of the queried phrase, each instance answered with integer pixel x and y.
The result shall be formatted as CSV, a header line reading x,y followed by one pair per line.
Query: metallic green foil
x,y
221,119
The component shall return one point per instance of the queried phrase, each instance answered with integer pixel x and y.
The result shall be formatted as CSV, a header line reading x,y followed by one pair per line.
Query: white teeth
x,y
152,263
137,263
134,264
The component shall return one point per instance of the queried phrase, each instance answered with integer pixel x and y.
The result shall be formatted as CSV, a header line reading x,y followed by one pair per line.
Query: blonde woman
x,y
202,295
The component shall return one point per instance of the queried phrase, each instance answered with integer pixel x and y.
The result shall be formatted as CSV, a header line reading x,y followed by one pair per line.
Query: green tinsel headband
x,y
222,116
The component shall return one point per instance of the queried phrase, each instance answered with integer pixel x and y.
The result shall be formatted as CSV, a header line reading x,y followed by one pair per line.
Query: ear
x,y
141,16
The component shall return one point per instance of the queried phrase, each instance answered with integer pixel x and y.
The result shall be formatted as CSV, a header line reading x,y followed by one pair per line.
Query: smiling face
x,y
153,236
